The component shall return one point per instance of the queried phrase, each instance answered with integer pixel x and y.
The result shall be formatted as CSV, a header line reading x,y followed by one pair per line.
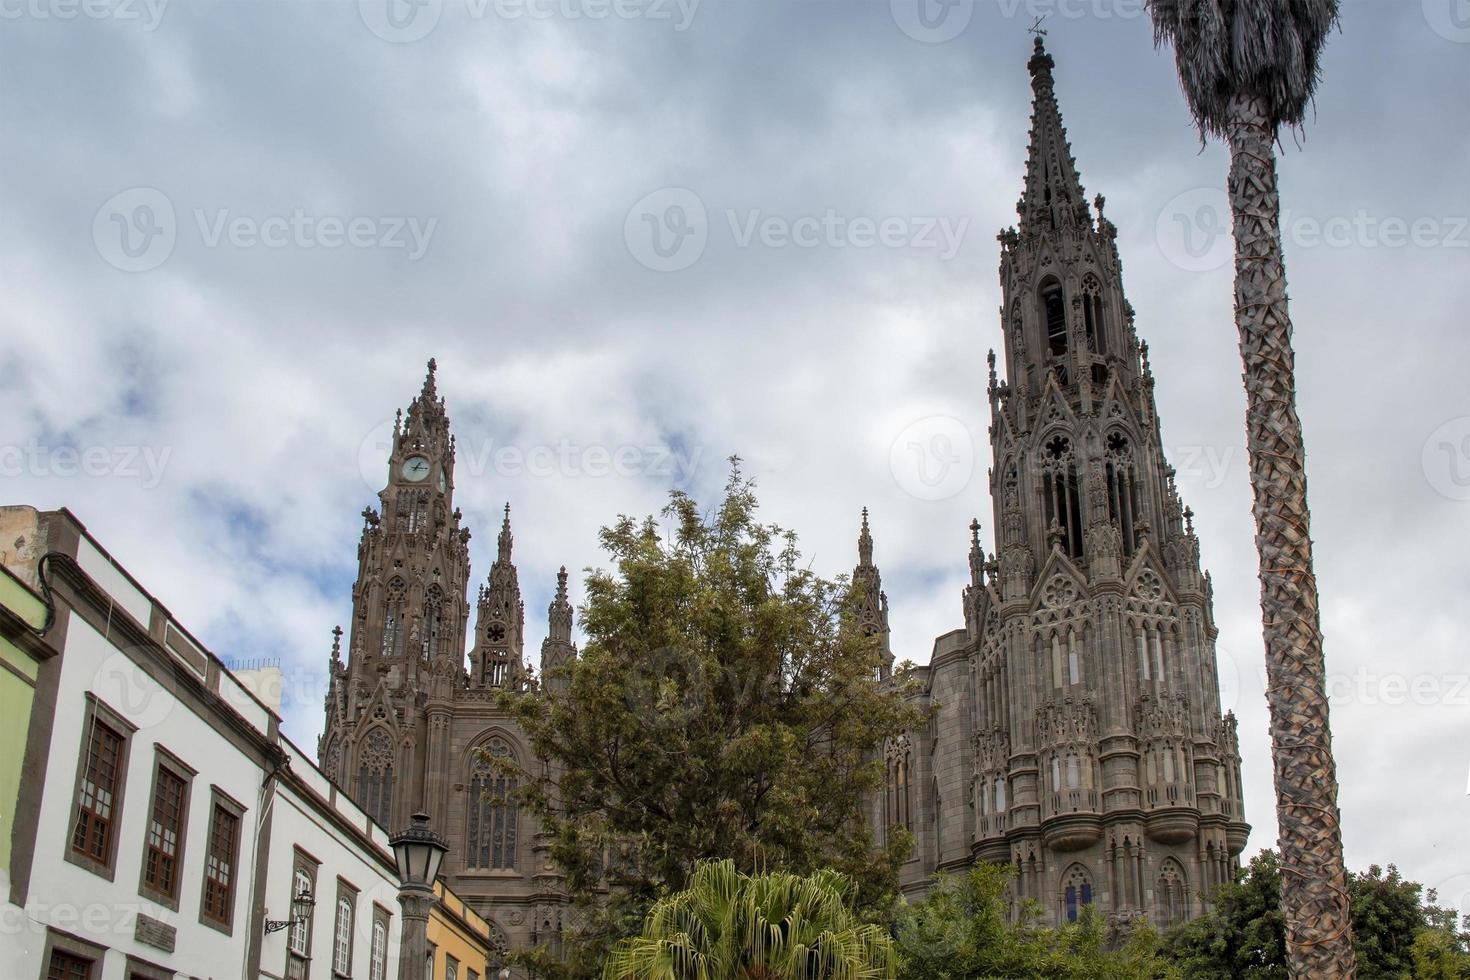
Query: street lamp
x,y
419,853
301,907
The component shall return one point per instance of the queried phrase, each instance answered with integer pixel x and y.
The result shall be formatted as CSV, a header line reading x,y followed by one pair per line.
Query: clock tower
x,y
408,618
411,723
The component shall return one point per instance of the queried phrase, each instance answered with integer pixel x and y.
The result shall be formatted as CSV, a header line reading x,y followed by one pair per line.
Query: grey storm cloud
x,y
663,232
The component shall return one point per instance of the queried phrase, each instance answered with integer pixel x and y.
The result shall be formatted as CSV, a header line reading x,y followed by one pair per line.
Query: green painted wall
x,y
17,690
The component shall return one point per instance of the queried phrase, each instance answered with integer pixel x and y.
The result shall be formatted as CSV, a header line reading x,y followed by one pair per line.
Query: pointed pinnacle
x,y
506,539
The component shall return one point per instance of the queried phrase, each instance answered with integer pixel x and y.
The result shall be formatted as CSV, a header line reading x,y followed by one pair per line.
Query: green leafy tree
x,y
1249,67
964,930
1243,935
721,708
728,925
1395,926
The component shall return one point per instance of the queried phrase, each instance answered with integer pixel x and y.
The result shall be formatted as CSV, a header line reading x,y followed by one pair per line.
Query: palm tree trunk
x,y
1313,880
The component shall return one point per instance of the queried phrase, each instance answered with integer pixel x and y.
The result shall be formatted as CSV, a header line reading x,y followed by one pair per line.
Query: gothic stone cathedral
x,y
1078,733
1076,730
406,721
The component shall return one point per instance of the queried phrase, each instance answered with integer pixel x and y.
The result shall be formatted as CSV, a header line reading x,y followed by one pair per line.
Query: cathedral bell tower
x,y
500,622
1101,764
408,619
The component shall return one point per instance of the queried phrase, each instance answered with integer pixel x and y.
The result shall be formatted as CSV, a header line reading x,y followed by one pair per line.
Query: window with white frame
x,y
342,936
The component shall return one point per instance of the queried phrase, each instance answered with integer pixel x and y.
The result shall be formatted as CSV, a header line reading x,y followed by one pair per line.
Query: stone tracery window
x,y
1171,895
375,776
1054,313
1061,494
394,627
494,814
433,621
1092,315
900,789
1122,482
1076,892
412,512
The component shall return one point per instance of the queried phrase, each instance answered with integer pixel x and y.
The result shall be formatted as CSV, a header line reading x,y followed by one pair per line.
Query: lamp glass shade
x,y
418,852
301,905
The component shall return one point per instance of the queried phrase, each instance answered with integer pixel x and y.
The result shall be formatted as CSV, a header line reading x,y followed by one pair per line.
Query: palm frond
x,y
1270,50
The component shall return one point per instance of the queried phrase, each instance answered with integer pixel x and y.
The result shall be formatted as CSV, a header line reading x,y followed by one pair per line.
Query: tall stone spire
x,y
501,623
872,614
557,650
1053,198
1098,756
409,613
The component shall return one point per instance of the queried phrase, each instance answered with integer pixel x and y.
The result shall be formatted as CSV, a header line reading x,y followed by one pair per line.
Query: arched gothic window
x,y
1054,312
494,814
1000,794
433,619
1171,895
394,616
1122,480
412,514
1092,315
1060,493
375,776
1076,892
900,790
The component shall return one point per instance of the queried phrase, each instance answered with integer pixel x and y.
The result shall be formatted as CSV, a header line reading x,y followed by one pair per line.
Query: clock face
x,y
415,468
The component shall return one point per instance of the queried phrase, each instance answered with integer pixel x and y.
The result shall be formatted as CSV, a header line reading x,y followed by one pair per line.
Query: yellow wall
x,y
17,690
456,930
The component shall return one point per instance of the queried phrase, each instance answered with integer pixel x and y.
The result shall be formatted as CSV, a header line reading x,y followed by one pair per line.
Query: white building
x,y
162,818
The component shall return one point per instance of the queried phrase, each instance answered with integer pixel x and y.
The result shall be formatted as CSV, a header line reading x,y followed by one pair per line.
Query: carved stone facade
x,y
409,724
1078,732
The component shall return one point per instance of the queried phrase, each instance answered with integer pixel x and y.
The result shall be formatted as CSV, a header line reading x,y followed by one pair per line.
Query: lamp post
x,y
419,852
301,907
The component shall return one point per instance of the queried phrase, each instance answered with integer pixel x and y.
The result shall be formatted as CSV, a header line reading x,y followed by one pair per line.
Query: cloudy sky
x,y
643,231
